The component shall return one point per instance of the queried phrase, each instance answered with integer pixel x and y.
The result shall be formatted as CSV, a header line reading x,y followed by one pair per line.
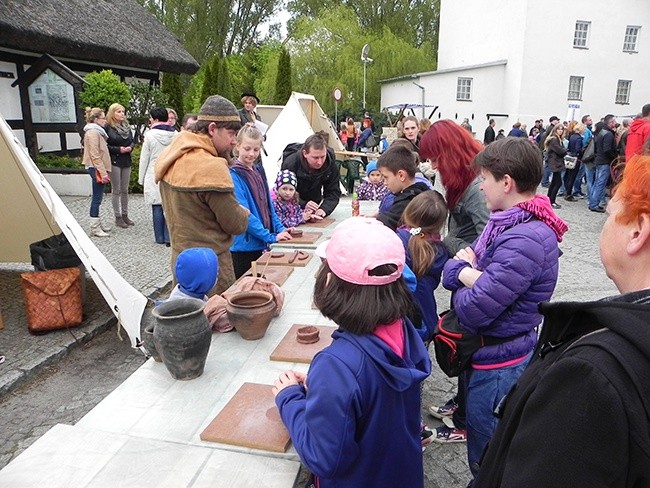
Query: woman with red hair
x,y
450,149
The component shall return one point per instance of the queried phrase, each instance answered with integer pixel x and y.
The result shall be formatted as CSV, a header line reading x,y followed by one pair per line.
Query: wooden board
x,y
320,223
250,419
292,351
276,274
282,260
305,238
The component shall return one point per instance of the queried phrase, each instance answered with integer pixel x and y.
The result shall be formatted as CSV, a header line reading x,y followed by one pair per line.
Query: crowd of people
x,y
499,257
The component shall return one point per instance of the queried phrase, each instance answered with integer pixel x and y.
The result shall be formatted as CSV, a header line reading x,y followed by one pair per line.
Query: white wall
x,y
9,97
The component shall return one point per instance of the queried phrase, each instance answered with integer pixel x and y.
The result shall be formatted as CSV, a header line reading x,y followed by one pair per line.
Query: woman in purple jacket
x,y
498,283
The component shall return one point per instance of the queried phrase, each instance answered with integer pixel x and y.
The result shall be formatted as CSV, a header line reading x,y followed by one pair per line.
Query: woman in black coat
x,y
120,144
555,153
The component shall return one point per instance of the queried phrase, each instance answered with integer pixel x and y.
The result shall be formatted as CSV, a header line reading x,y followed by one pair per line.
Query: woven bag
x,y
52,299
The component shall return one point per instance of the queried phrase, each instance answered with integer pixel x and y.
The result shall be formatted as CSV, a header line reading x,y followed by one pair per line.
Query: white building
x,y
515,60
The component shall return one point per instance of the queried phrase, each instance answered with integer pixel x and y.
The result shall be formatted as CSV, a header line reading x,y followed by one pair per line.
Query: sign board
x,y
338,94
51,99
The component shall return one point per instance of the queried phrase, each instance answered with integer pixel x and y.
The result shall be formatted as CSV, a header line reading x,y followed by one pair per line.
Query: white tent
x,y
30,211
301,117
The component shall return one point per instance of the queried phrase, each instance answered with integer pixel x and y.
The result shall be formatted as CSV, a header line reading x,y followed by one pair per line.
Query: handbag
x,y
454,347
589,153
570,161
370,142
52,299
53,253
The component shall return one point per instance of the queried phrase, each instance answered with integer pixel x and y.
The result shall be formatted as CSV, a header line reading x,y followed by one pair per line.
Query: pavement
x,y
145,265
133,253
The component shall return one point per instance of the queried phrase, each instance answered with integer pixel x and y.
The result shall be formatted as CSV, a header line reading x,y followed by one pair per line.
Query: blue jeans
x,y
597,192
160,232
577,185
546,175
98,193
485,389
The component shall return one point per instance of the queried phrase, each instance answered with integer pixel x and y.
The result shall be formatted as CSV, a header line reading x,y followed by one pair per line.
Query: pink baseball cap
x,y
361,244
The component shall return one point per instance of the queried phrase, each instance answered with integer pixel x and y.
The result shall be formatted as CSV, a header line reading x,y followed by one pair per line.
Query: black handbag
x,y
53,253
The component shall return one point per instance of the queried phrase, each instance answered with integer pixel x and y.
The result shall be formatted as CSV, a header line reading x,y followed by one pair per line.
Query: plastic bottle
x,y
355,205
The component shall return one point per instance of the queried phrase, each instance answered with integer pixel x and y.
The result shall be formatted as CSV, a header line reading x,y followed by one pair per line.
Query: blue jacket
x,y
256,237
520,270
358,422
424,291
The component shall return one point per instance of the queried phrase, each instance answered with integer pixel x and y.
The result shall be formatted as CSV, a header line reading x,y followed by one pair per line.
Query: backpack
x,y
454,347
589,154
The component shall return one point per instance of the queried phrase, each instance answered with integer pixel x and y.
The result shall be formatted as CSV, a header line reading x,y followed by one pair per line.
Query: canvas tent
x,y
301,117
30,210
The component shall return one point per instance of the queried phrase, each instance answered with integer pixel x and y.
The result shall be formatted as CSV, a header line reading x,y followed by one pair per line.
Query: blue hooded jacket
x,y
358,422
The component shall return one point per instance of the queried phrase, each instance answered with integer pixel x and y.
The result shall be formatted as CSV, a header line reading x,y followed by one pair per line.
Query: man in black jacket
x,y
605,153
318,177
489,135
579,414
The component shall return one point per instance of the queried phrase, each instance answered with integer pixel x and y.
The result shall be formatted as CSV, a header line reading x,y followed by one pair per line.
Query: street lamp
x,y
365,60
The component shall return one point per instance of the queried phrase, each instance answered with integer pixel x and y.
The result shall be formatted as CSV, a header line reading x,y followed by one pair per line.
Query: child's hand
x,y
288,378
284,236
467,254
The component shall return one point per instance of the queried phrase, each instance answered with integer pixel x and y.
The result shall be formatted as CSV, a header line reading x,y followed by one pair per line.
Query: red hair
x,y
634,189
453,149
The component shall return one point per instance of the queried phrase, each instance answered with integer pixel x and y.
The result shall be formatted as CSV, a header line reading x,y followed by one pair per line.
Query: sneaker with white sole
x,y
445,435
442,411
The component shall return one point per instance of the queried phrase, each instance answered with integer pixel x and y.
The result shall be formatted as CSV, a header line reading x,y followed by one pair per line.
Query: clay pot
x,y
182,336
250,313
149,344
308,334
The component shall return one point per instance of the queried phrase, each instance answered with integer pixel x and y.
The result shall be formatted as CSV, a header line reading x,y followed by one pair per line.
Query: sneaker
x,y
556,205
597,209
426,435
571,198
446,410
445,435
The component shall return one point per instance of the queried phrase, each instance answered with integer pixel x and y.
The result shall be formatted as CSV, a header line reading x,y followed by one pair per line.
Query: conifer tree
x,y
283,80
171,86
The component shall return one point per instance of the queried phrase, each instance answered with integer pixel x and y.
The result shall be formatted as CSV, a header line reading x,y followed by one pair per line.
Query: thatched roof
x,y
115,32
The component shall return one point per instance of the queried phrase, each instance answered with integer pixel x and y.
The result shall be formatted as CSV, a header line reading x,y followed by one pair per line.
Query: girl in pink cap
x,y
355,418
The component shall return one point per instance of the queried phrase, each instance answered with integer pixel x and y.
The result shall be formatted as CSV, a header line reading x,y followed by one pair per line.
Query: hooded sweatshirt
x,y
639,133
155,140
579,414
358,422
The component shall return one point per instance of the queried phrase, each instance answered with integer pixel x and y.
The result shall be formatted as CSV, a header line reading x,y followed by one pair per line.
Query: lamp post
x,y
365,60
421,88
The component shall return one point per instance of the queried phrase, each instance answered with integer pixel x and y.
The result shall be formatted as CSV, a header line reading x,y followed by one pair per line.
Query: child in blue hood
x,y
196,271
355,419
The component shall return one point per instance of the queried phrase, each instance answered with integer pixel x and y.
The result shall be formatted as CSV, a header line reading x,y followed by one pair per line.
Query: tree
x,y
283,79
171,86
210,79
214,27
144,97
325,53
103,89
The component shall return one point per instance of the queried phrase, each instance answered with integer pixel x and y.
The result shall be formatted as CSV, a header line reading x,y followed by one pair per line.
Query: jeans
x,y
98,193
597,192
120,190
485,389
577,185
546,175
160,232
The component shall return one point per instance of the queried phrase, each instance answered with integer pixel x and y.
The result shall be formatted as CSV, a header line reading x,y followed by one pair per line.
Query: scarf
x,y
258,190
123,129
96,128
538,207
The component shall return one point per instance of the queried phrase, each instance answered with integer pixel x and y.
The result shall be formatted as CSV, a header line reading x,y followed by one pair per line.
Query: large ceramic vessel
x,y
250,313
182,337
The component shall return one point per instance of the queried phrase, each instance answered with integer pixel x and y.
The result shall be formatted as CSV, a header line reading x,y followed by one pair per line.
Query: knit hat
x,y
372,166
196,271
346,261
286,177
218,109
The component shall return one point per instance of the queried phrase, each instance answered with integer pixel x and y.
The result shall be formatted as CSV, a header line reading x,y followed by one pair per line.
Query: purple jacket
x,y
290,213
520,269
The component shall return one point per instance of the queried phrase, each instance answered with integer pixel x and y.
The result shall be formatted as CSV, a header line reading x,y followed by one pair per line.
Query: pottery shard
x,y
308,335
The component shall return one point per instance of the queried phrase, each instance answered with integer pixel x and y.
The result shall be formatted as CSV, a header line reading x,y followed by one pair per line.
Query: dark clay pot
x,y
182,336
149,344
250,313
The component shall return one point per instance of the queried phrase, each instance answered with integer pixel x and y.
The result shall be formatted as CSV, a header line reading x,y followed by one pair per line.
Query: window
x,y
464,89
631,35
581,35
623,91
575,87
